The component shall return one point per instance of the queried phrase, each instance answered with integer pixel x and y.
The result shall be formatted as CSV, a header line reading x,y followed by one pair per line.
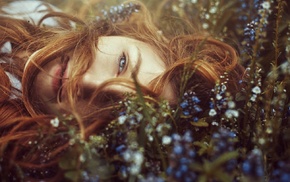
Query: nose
x,y
92,80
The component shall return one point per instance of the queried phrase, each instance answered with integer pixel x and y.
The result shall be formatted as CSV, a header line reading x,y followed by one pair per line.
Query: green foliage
x,y
151,140
140,142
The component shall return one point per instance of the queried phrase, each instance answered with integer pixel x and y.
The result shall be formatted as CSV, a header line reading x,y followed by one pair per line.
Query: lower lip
x,y
56,78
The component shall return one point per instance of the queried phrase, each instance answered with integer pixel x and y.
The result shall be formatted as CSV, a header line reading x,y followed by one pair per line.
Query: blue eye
x,y
122,63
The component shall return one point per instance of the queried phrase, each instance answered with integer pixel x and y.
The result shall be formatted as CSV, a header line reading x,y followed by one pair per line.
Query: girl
x,y
60,65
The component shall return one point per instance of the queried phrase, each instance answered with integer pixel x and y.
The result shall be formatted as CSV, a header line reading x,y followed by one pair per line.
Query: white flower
x,y
150,138
213,10
230,113
54,122
231,104
139,116
134,169
207,16
161,127
174,8
285,67
166,140
218,97
266,5
122,119
262,141
214,123
212,112
253,98
205,26
127,155
224,88
256,90
82,158
138,158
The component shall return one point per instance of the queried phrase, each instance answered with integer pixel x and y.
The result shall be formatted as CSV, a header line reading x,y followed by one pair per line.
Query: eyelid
x,y
126,64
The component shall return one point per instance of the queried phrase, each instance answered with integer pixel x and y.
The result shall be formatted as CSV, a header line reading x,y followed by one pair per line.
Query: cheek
x,y
56,108
118,88
152,61
41,86
151,67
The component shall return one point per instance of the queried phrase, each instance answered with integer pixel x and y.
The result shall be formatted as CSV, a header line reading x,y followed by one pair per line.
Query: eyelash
x,y
122,63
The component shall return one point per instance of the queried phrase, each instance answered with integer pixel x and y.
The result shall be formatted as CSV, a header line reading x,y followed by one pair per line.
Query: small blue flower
x,y
288,111
197,108
186,113
223,142
169,171
191,153
187,137
184,104
189,105
178,150
211,105
195,99
253,165
281,173
181,157
184,160
183,168
246,167
120,148
195,119
178,174
152,178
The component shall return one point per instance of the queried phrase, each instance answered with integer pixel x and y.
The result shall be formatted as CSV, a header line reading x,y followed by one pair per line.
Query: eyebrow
x,y
137,66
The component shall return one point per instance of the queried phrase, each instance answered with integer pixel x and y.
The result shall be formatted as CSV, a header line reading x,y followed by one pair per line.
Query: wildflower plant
x,y
245,136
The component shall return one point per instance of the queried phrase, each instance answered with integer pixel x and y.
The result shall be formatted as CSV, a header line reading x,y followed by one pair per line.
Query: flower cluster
x,y
256,29
189,106
223,141
120,13
252,167
218,102
250,36
222,103
281,173
137,128
181,158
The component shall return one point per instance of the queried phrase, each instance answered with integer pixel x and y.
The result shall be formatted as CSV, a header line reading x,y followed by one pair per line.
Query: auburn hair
x,y
21,115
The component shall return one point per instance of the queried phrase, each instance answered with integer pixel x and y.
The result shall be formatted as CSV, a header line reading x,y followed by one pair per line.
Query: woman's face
x,y
116,57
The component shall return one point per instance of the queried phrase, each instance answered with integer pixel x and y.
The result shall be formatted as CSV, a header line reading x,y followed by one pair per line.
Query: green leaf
x,y
223,159
72,175
203,147
69,161
222,176
200,123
